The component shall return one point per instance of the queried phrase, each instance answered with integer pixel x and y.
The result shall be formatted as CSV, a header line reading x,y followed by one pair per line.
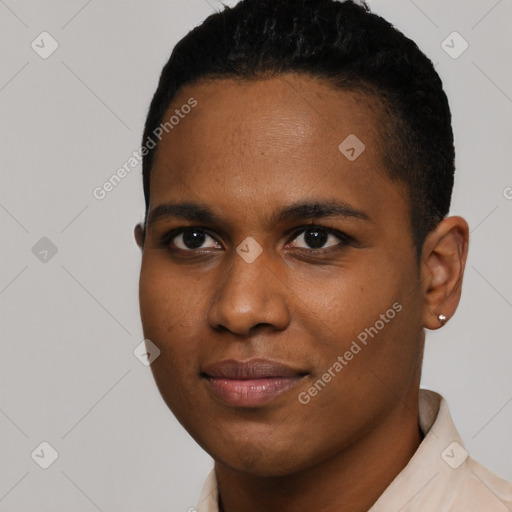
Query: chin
x,y
257,457
257,464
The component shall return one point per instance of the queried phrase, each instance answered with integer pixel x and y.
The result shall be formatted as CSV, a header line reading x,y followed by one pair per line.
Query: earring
x,y
442,318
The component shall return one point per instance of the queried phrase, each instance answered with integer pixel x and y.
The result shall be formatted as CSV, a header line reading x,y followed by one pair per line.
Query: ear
x,y
444,257
140,234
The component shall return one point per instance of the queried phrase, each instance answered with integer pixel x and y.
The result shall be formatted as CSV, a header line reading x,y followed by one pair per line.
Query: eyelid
x,y
343,237
166,239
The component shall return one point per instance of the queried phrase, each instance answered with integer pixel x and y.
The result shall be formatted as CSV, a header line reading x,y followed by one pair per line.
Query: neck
x,y
350,480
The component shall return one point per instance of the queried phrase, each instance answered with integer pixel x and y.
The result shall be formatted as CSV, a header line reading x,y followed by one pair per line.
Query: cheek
x,y
349,300
371,315
163,301
167,318
167,314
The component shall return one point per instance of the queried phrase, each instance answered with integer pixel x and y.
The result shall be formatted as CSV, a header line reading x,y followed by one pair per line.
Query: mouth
x,y
252,383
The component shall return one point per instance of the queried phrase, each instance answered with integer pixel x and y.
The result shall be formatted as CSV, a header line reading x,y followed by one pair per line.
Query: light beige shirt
x,y
440,477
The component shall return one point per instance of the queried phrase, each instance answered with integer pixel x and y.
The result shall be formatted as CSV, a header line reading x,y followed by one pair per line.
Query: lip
x,y
250,383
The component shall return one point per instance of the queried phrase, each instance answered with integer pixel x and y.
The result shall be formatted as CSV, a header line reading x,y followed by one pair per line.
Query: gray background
x,y
68,375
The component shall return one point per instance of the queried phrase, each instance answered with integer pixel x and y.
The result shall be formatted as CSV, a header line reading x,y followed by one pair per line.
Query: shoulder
x,y
483,490
473,488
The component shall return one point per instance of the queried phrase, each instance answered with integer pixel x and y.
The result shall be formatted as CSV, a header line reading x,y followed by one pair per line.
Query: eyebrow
x,y
300,210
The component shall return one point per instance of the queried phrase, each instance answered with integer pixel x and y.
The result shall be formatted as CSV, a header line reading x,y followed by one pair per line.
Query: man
x,y
298,170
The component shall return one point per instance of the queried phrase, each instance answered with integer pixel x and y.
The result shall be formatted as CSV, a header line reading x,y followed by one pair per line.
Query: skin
x,y
247,150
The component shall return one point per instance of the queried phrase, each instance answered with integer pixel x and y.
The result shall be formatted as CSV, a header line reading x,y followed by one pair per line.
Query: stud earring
x,y
442,318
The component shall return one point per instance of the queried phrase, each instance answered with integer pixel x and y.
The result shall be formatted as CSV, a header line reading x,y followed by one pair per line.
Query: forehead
x,y
284,114
263,141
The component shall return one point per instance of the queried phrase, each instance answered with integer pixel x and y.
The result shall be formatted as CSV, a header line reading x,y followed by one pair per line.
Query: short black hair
x,y
351,48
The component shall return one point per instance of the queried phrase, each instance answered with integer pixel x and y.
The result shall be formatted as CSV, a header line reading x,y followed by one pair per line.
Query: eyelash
x,y
167,238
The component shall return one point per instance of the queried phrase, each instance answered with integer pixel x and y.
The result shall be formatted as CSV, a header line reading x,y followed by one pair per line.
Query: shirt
x,y
440,476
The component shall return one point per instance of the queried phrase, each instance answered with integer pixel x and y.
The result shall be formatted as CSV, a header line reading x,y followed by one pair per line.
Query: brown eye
x,y
190,239
316,237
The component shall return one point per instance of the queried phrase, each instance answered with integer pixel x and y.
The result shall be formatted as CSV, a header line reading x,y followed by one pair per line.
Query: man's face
x,y
321,287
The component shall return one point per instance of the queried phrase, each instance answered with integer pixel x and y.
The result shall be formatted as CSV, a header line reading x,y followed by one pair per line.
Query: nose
x,y
250,295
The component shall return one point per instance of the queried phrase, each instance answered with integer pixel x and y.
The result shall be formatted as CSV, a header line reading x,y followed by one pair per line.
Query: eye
x,y
189,239
316,237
